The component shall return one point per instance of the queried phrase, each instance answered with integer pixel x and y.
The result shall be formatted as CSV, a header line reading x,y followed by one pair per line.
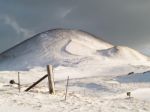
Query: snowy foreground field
x,y
91,94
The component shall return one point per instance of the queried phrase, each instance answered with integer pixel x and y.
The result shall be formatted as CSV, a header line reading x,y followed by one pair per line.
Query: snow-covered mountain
x,y
69,48
98,71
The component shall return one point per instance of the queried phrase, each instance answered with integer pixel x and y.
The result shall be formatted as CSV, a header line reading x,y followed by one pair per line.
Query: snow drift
x,y
135,78
68,48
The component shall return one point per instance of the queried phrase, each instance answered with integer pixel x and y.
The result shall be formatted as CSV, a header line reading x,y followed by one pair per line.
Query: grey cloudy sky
x,y
121,22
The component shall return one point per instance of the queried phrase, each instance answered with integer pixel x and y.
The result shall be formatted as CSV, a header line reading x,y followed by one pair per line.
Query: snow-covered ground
x,y
100,75
91,94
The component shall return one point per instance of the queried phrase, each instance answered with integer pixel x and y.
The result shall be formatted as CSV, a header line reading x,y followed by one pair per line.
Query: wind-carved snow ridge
x,y
123,53
71,49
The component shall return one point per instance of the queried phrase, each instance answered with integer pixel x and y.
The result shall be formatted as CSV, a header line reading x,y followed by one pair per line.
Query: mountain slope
x,y
68,48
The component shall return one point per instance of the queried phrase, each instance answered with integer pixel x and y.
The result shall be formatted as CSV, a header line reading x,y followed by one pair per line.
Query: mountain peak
x,y
61,47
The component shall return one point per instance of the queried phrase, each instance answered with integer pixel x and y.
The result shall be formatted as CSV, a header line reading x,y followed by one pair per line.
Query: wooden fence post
x,y
19,86
66,88
50,79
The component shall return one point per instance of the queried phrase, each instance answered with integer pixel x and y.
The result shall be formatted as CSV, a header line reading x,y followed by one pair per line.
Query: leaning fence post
x,y
35,83
50,79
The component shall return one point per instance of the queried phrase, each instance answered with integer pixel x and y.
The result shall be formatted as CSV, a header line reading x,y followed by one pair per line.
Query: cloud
x,y
19,30
64,12
122,22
